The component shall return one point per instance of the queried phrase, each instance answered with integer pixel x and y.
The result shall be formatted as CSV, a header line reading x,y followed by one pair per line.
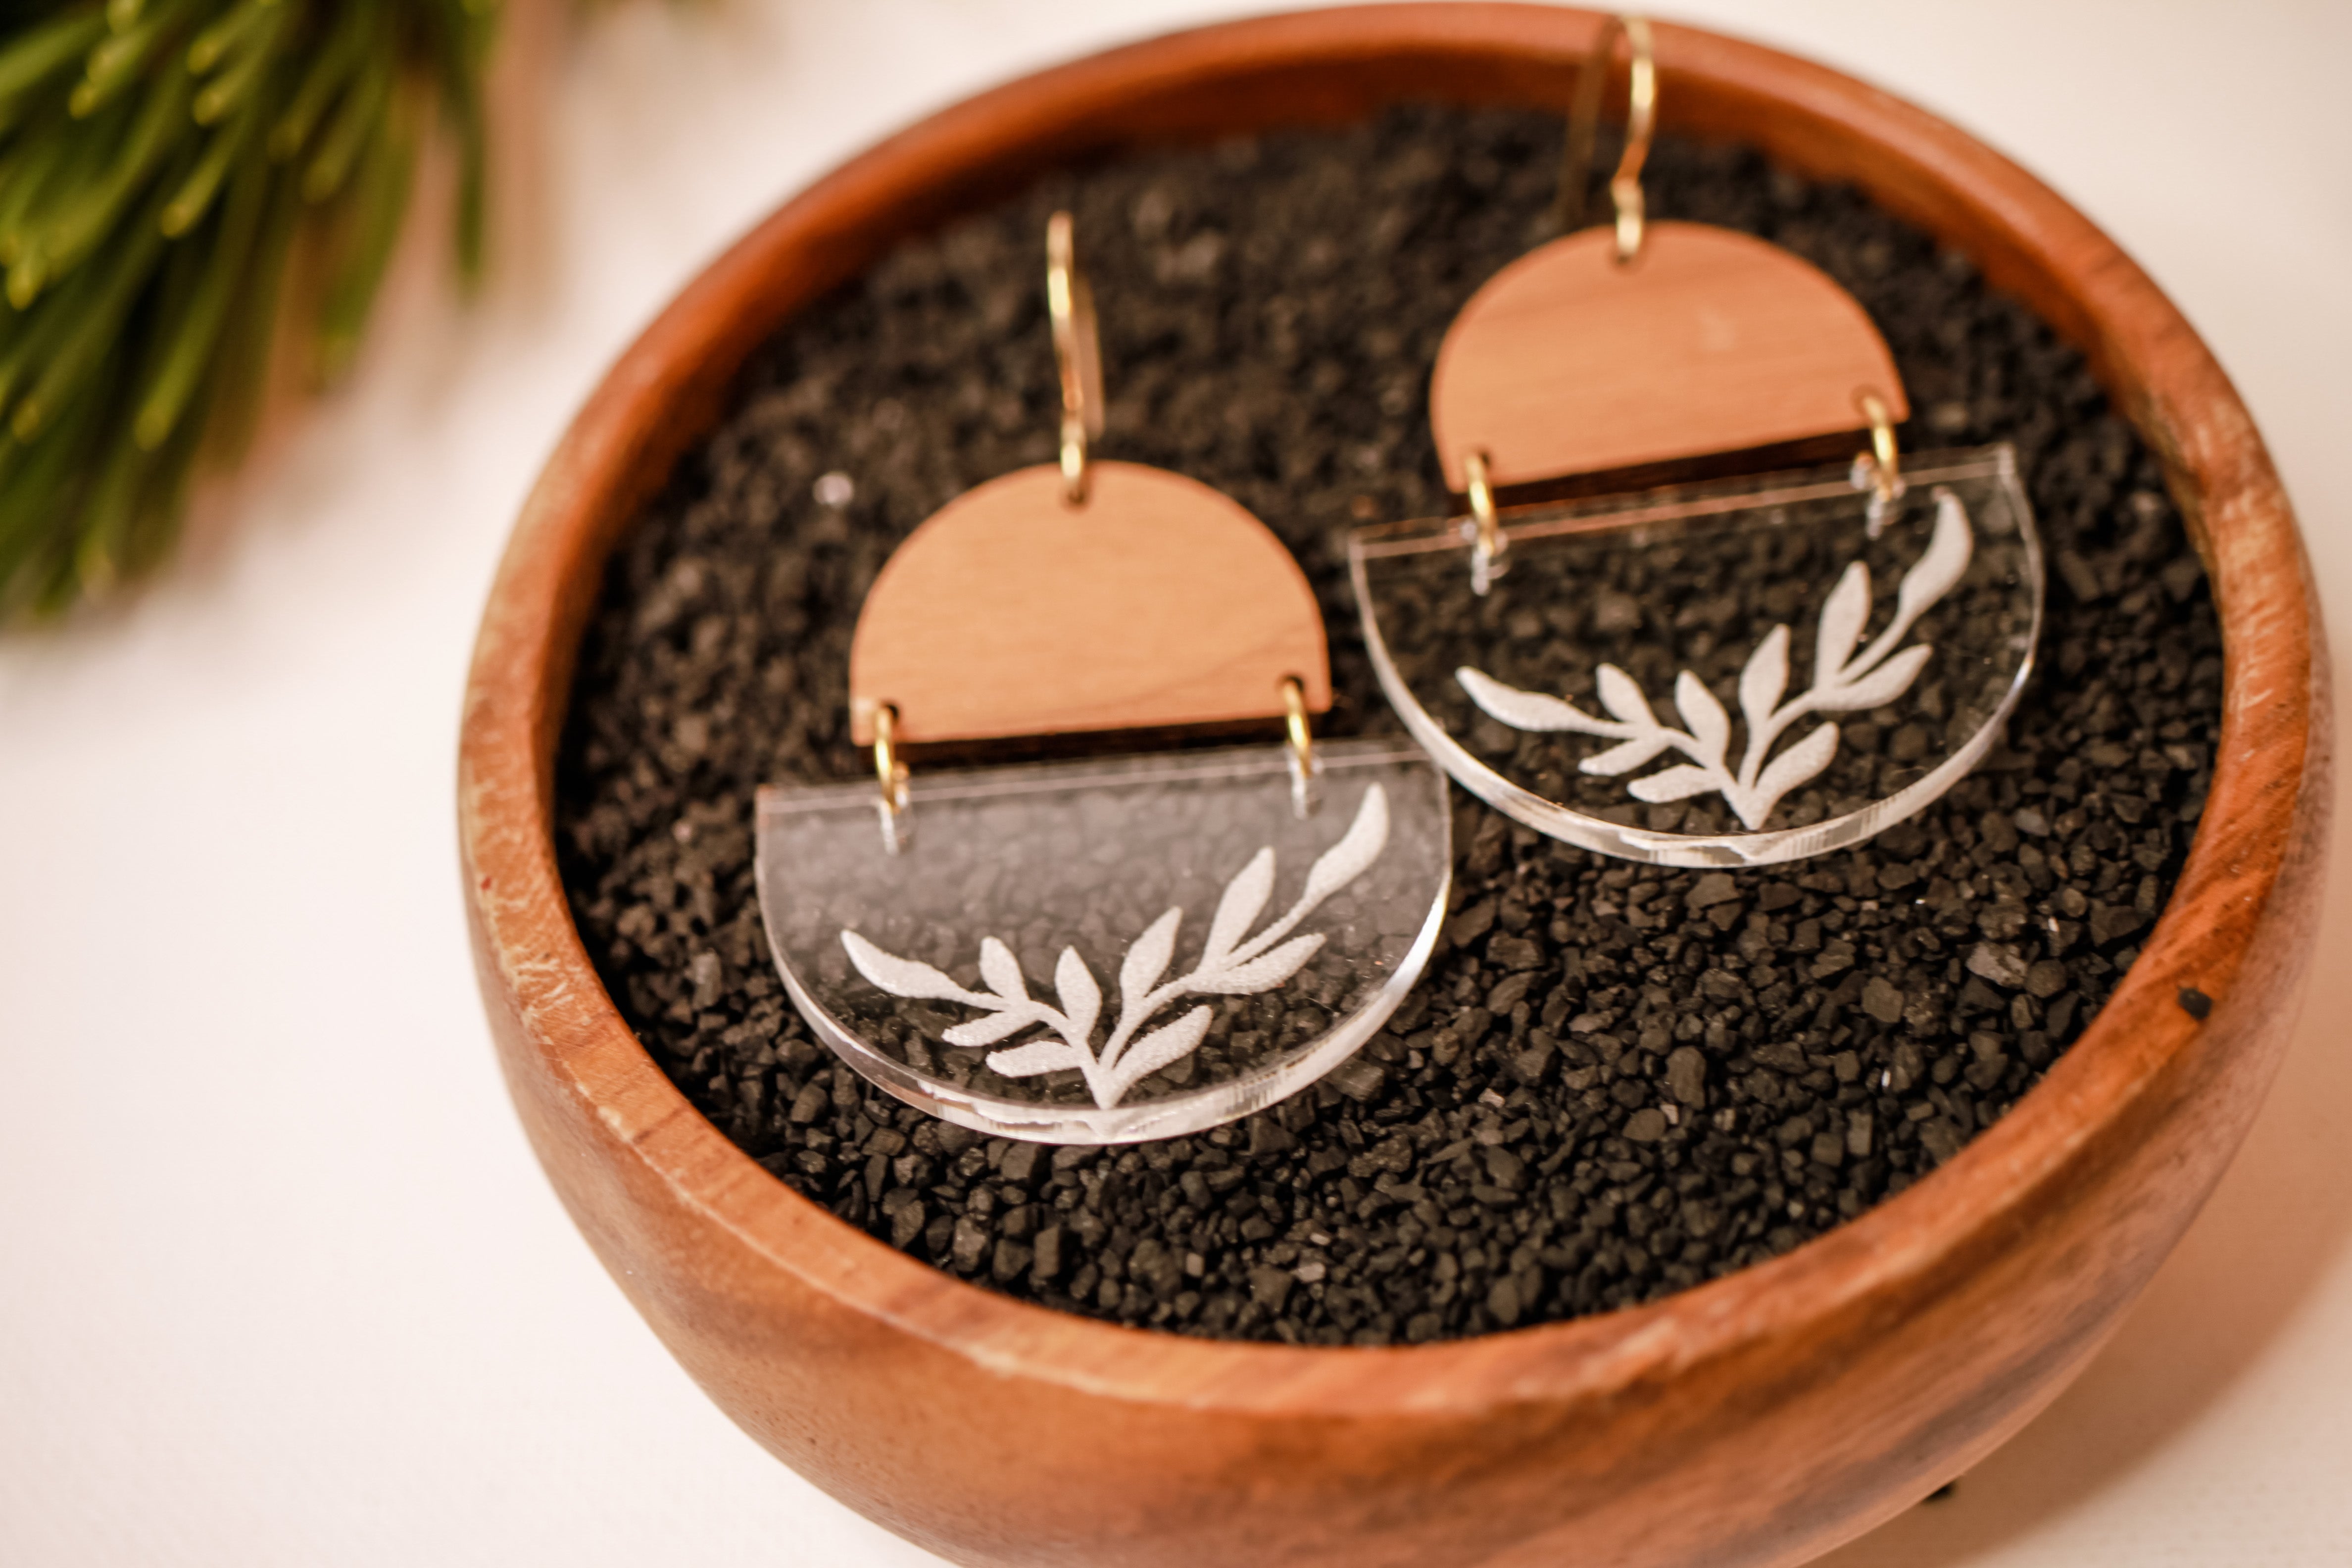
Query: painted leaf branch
x,y
1844,681
1232,963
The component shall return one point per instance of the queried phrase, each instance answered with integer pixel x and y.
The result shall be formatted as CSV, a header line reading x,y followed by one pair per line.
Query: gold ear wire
x,y
1077,352
1583,124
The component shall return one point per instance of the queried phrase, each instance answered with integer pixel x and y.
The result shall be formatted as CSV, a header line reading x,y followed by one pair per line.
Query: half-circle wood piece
x,y
1157,602
1569,363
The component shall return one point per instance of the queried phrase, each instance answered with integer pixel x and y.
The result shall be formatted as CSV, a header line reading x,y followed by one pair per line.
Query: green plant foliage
x,y
165,167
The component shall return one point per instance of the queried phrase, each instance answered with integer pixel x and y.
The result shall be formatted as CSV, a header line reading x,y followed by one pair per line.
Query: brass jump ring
x,y
1295,726
1077,352
888,770
1488,541
1886,464
1584,123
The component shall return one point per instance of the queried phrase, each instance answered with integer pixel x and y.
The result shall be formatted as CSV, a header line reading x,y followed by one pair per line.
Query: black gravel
x,y
1616,1081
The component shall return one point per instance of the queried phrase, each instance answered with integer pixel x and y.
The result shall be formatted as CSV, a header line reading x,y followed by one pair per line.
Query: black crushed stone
x,y
1616,1081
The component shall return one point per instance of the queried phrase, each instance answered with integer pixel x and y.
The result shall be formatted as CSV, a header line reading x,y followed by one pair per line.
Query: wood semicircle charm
x,y
1569,361
1157,602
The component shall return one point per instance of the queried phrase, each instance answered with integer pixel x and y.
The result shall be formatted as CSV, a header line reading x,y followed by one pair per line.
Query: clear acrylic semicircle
x,y
1108,951
1730,674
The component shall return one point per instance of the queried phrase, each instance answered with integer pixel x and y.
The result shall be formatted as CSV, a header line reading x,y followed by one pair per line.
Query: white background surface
x,y
279,1282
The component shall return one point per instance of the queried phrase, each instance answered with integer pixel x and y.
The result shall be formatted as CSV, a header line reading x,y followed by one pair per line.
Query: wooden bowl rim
x,y
552,568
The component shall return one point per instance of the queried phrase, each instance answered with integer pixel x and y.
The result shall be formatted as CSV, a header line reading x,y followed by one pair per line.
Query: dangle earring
x,y
1872,623
1111,950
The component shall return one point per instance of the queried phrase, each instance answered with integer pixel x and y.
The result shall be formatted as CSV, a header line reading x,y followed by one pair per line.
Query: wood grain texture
x,y
1157,604
1567,362
1752,1423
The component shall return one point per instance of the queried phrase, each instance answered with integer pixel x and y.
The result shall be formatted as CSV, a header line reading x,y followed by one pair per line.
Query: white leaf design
x,y
1766,676
1357,849
1946,560
1267,970
1001,971
1039,1055
1790,769
1844,681
1678,783
1841,623
1710,726
1881,685
1147,961
900,976
1081,997
1161,1046
991,1027
1230,966
1621,697
1528,709
1626,755
1245,895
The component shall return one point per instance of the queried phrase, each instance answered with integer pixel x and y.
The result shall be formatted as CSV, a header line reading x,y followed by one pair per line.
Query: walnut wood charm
x,y
1569,361
1156,604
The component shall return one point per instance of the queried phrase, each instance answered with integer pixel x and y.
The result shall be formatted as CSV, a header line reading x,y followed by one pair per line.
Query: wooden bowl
x,y
1762,1418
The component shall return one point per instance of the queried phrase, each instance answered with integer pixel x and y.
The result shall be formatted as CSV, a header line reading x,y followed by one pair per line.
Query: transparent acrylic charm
x,y
1729,674
1104,953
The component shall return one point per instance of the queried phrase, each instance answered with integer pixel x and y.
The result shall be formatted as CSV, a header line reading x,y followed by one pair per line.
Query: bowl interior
x,y
1332,67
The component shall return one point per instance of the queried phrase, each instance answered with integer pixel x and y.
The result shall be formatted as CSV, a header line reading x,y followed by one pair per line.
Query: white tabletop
x,y
282,1284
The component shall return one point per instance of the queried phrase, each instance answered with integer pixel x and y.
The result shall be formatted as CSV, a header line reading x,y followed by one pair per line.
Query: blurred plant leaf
x,y
164,164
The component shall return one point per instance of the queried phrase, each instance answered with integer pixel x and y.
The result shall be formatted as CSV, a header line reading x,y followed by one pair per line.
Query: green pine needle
x,y
161,164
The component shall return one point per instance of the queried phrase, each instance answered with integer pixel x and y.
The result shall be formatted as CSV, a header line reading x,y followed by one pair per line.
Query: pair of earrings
x,y
1104,952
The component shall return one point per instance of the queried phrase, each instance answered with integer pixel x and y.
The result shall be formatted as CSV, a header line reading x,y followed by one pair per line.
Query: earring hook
x,y
1077,352
1583,125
